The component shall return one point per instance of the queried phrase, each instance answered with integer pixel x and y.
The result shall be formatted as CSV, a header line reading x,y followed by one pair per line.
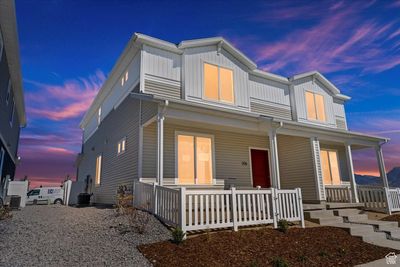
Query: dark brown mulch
x,y
319,246
392,218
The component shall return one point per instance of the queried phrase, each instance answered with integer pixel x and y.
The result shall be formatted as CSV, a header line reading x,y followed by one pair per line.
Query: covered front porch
x,y
196,148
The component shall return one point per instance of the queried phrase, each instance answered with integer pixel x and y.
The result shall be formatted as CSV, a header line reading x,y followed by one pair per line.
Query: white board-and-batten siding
x,y
116,169
232,163
194,59
301,86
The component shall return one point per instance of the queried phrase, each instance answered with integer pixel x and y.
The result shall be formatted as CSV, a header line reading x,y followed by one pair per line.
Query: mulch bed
x,y
392,218
320,246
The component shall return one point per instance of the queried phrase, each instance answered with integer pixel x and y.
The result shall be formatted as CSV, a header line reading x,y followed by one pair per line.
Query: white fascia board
x,y
320,77
225,44
342,97
145,39
8,27
330,131
110,81
271,76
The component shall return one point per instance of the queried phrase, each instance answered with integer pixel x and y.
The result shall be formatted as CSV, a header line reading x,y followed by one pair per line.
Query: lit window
x,y
218,83
315,106
122,81
99,116
121,146
330,167
8,91
98,169
11,117
126,76
194,159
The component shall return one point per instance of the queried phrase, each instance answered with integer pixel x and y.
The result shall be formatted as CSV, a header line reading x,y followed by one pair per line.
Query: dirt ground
x,y
318,246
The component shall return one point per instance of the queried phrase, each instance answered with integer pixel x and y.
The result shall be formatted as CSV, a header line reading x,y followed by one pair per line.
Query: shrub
x,y
178,235
323,253
124,200
279,262
283,226
5,213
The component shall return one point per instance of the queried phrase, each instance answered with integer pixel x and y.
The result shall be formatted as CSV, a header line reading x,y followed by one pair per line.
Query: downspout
x,y
160,143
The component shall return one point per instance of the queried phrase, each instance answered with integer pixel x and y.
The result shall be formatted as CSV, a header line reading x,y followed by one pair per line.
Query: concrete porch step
x,y
314,214
327,220
334,205
347,212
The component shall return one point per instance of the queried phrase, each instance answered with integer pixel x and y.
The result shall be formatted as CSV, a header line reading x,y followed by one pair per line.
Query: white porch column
x,y
350,168
160,149
273,148
381,165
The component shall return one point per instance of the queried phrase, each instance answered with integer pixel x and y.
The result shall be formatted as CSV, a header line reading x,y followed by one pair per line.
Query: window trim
x,y
315,106
195,134
330,169
97,178
119,148
233,103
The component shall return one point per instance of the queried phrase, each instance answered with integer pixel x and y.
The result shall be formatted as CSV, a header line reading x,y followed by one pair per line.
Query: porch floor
x,y
331,205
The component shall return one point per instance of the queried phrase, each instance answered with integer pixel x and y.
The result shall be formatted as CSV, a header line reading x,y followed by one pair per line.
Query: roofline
x,y
271,76
145,39
224,44
9,30
324,80
107,86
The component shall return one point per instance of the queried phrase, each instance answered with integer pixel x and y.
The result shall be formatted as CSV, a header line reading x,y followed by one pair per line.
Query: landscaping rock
x,y
65,236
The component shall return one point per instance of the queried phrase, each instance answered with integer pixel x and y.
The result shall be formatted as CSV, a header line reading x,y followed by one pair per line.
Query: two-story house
x,y
12,107
201,115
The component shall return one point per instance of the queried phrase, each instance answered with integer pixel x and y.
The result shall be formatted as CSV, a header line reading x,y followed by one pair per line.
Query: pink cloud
x,y
72,98
338,40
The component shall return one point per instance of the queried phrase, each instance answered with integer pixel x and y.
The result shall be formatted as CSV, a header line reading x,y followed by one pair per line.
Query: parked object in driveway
x,y
45,195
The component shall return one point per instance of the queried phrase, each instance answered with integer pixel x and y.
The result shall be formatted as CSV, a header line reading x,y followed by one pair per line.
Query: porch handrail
x,y
211,209
338,193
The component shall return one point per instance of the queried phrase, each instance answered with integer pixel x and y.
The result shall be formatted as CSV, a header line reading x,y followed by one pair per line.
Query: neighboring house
x,y
201,115
12,107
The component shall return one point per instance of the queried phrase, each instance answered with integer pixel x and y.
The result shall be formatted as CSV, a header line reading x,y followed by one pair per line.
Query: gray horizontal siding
x,y
116,169
149,110
296,165
162,87
266,109
231,152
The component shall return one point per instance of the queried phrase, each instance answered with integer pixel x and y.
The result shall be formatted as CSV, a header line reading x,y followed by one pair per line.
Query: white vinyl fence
x,y
379,198
210,209
338,193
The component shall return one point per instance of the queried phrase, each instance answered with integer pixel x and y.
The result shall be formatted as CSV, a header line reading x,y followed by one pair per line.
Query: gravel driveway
x,y
65,236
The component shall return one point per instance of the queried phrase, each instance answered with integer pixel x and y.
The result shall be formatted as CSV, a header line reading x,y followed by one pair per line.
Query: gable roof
x,y
138,39
315,74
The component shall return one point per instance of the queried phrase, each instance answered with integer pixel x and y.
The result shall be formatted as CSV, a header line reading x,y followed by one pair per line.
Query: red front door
x,y
260,168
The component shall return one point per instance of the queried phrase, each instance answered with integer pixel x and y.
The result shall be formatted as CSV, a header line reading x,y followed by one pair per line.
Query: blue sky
x,y
69,47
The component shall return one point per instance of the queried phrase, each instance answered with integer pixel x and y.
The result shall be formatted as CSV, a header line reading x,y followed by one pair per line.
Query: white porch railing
x,y
210,209
394,199
338,193
379,198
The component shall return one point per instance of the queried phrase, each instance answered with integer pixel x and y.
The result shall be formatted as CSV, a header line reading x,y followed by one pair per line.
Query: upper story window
x,y
315,106
99,116
121,146
218,83
124,78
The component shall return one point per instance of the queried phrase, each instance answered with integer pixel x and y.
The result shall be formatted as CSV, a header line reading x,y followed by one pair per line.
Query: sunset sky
x,y
69,47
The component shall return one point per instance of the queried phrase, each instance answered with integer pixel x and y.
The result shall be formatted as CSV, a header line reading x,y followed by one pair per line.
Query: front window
x,y
195,159
315,106
330,167
218,83
98,169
